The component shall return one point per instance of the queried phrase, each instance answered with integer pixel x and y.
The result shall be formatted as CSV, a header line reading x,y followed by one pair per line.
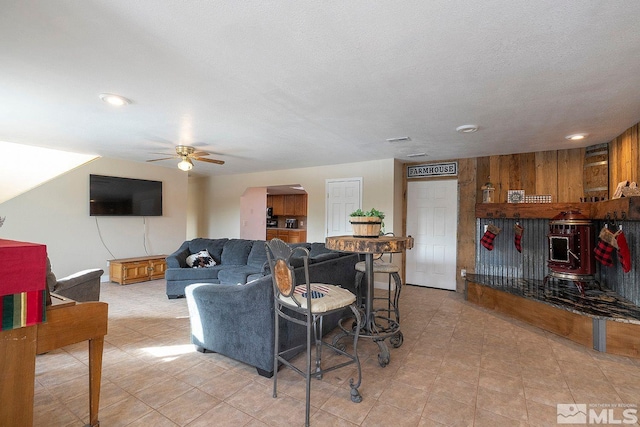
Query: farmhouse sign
x,y
433,169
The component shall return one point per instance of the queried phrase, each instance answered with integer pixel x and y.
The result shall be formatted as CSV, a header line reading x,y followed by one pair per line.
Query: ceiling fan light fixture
x,y
467,128
576,136
113,99
185,164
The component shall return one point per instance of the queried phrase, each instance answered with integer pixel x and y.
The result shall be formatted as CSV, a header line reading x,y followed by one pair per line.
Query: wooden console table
x,y
67,323
140,269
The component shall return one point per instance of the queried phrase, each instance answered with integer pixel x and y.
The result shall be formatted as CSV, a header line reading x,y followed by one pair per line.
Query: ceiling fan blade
x,y
164,158
199,153
165,154
202,159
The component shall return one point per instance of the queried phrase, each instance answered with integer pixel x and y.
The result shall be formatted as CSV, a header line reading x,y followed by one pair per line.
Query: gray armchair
x,y
81,286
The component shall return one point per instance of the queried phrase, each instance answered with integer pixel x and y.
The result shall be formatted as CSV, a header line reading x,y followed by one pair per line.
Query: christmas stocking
x,y
623,251
489,235
606,244
518,230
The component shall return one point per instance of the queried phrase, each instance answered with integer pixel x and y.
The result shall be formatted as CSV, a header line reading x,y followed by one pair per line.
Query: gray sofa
x,y
238,320
238,261
81,286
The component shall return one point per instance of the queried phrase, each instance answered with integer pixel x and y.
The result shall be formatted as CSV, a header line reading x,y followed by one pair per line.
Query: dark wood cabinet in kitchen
x,y
288,204
288,236
271,233
278,205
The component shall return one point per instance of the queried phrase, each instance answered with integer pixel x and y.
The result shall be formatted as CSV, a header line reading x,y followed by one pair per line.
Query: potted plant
x,y
367,224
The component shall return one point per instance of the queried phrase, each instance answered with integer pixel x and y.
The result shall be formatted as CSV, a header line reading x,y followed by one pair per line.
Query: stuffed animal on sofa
x,y
201,259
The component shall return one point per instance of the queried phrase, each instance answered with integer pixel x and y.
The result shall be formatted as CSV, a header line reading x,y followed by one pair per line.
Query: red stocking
x,y
623,251
606,245
489,235
518,230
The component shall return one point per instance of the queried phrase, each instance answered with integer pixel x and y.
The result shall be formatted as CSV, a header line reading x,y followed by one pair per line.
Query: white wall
x,y
378,192
253,219
57,214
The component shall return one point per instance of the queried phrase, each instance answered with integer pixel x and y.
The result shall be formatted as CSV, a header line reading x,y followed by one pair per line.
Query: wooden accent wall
x,y
624,158
466,251
558,173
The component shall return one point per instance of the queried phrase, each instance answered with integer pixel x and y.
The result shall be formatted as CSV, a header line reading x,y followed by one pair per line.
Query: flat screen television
x,y
115,196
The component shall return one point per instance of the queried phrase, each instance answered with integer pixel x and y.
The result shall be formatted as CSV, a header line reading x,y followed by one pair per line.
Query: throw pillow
x,y
201,259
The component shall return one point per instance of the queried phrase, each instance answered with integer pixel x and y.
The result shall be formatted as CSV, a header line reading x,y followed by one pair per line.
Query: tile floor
x,y
460,365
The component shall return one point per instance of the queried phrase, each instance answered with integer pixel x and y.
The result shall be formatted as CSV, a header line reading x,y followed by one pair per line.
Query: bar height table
x,y
370,246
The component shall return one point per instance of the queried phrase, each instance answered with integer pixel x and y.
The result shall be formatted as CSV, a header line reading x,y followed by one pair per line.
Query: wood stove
x,y
571,243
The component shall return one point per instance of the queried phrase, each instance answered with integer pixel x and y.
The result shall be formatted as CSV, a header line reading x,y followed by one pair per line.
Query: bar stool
x,y
305,304
392,311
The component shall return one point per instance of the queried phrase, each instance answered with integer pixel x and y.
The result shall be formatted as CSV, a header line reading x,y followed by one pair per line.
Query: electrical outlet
x,y
463,273
301,223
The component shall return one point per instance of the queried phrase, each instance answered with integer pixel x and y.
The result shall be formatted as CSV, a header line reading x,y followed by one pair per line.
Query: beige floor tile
x,y
154,419
404,397
196,401
123,412
509,405
459,365
486,418
454,389
382,415
222,415
447,411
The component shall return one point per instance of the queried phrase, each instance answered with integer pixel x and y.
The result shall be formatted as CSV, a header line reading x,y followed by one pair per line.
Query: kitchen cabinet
x,y
288,204
297,236
277,203
272,233
300,205
288,236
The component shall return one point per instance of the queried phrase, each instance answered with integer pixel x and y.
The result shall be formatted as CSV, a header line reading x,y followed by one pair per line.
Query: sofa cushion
x,y
324,257
215,246
235,275
258,255
204,275
318,249
236,251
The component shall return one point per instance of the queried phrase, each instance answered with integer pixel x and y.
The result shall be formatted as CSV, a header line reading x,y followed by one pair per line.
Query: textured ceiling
x,y
268,85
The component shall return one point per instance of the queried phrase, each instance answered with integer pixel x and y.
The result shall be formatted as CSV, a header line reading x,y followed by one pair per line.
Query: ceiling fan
x,y
187,154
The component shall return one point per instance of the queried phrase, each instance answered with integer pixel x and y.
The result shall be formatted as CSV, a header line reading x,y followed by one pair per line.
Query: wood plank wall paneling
x,y
483,174
546,175
558,173
466,250
570,175
624,158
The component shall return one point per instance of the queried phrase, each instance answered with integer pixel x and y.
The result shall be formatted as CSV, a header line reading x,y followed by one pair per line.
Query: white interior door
x,y
343,197
432,220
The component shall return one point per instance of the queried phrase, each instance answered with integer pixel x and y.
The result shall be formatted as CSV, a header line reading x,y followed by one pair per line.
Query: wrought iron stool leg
x,y
355,394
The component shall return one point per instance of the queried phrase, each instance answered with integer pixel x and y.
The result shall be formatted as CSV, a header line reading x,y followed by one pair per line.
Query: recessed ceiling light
x,y
576,136
114,99
467,128
399,139
417,155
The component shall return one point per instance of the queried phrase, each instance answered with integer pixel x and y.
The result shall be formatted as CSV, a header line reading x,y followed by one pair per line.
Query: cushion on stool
x,y
379,266
324,297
